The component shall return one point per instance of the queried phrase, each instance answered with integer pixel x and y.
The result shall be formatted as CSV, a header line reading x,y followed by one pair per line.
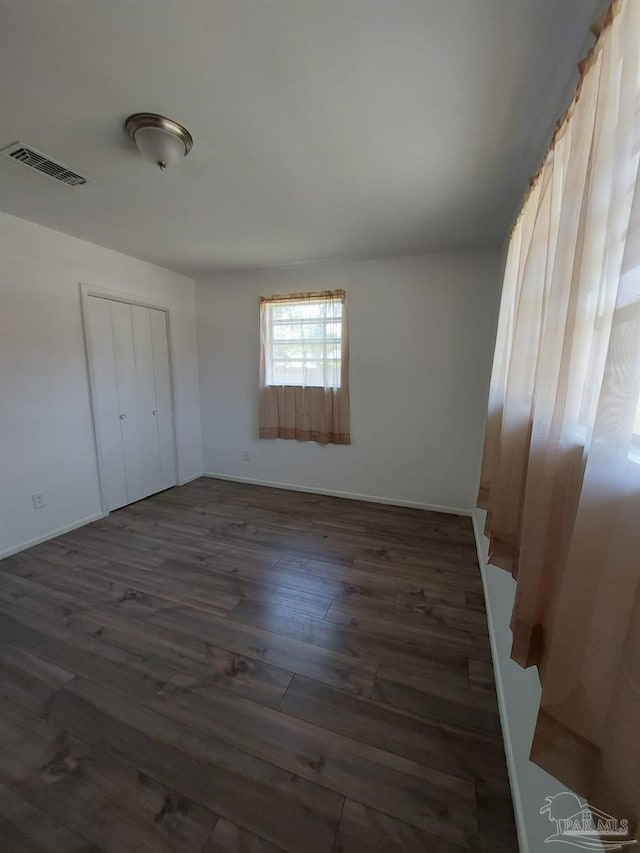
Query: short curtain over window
x,y
304,364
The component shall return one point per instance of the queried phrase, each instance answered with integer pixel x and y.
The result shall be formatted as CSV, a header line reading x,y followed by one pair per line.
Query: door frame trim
x,y
98,292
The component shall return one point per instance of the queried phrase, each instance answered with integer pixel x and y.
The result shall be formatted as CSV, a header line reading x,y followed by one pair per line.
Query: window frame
x,y
327,364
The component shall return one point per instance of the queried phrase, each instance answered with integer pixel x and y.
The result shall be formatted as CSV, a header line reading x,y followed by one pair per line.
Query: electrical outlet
x,y
38,500
246,455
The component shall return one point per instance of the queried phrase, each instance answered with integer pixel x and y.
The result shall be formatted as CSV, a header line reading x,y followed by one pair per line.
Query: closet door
x,y
132,400
136,384
106,406
163,409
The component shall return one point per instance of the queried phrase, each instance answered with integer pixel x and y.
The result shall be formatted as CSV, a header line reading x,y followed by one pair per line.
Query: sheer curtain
x,y
561,470
304,367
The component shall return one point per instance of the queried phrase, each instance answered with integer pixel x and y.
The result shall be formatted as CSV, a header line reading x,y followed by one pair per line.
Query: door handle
x,y
123,416
155,411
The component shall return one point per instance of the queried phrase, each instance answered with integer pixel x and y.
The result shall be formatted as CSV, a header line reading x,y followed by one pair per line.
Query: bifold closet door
x,y
136,397
164,416
132,399
106,408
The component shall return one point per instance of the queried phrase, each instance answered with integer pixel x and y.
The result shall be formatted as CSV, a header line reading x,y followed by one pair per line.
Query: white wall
x,y
421,342
46,433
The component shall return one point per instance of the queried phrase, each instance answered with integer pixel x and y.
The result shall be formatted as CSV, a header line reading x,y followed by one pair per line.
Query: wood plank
x,y
172,587
196,655
496,829
475,600
25,829
176,581
448,668
26,743
247,568
417,565
96,539
381,585
417,794
100,799
35,597
437,625
201,583
374,643
39,572
447,613
481,676
229,838
437,698
160,589
58,628
463,754
339,669
282,808
140,682
363,830
27,679
88,589
118,808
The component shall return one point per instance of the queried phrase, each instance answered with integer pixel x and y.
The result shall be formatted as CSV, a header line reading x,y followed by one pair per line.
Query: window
x,y
303,338
304,367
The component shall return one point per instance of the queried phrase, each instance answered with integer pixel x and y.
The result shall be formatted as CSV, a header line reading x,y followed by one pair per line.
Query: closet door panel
x,y
164,417
137,454
148,479
105,403
126,379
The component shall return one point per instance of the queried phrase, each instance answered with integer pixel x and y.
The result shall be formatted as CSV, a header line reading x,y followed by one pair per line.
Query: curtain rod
x,y
598,28
314,296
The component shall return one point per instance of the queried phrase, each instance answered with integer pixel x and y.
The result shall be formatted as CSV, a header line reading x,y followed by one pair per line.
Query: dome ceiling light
x,y
161,140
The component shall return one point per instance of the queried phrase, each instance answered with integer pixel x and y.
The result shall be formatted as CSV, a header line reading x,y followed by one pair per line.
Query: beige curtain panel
x,y
304,367
561,470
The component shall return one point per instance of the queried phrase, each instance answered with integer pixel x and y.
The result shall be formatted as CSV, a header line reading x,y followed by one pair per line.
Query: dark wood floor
x,y
226,668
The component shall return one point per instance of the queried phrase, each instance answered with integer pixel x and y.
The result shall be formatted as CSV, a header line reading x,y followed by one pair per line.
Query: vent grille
x,y
20,153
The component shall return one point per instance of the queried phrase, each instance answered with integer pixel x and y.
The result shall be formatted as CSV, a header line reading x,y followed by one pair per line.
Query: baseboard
x,y
185,480
516,792
352,496
15,549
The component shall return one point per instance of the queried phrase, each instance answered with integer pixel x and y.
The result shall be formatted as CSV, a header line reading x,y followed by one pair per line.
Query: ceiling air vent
x,y
27,156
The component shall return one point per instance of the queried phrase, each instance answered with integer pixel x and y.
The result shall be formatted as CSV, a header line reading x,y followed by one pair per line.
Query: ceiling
x,y
322,128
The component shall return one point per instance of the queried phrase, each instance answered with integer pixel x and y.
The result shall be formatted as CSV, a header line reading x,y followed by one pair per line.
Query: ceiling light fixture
x,y
161,140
